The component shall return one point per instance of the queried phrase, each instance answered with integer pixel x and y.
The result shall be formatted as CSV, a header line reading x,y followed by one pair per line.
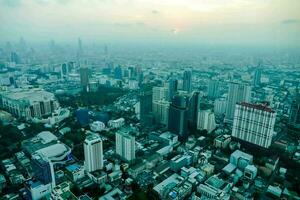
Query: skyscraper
x,y
294,118
84,78
145,105
125,144
93,153
193,108
178,116
213,89
118,72
159,93
257,77
172,88
187,80
254,123
237,93
206,120
42,169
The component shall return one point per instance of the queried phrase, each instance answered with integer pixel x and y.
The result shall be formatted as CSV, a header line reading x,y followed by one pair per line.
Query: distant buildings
x,y
257,77
161,111
84,78
29,103
254,124
187,80
93,153
178,116
294,118
237,93
125,144
206,120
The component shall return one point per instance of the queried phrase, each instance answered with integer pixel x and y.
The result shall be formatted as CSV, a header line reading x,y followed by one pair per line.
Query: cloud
x,y
127,25
290,21
11,3
155,12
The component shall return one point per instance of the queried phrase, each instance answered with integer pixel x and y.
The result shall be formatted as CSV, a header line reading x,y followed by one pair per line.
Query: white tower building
x,y
93,153
254,124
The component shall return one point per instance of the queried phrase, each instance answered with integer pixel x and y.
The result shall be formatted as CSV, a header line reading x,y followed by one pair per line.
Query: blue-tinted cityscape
x,y
146,100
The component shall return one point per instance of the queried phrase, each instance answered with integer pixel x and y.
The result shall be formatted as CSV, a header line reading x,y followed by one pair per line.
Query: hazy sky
x,y
263,22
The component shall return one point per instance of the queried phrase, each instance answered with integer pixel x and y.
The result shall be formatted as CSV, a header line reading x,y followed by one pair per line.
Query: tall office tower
x,y
213,89
172,88
118,72
237,93
93,153
159,93
64,70
161,111
294,118
42,169
145,105
84,78
187,80
257,77
206,120
80,48
178,116
193,108
254,124
14,58
125,145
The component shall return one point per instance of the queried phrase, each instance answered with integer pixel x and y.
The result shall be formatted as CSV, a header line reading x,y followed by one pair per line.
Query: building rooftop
x,y
261,107
30,95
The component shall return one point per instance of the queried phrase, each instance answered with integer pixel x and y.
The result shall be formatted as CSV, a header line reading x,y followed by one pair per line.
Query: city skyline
x,y
226,22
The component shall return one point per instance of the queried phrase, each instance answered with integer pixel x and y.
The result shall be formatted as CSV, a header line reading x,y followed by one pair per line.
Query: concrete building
x,y
187,81
29,103
178,116
117,123
93,153
237,93
161,111
220,106
254,124
206,120
222,141
125,144
213,90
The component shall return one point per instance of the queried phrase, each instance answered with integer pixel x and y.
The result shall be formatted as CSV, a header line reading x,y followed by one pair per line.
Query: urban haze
x,y
149,99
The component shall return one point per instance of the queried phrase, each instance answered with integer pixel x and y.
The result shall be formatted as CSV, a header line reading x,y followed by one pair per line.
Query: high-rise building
x,y
42,169
118,72
257,77
64,70
84,77
237,93
220,106
159,93
145,105
187,80
294,118
254,123
178,116
213,89
161,111
193,108
125,144
172,88
206,120
93,153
